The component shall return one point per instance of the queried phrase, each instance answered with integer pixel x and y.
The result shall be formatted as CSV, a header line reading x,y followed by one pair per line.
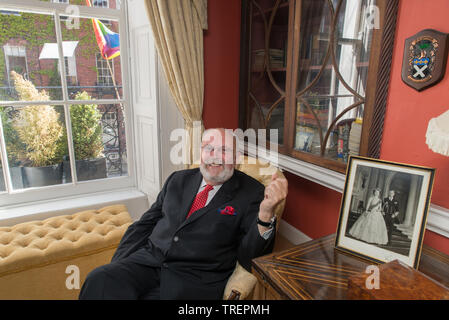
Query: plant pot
x,y
16,178
42,176
88,169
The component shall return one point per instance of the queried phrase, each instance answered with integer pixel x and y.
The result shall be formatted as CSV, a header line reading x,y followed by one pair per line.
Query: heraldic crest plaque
x,y
424,62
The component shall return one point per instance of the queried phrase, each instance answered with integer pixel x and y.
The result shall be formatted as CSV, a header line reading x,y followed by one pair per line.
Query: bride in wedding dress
x,y
370,226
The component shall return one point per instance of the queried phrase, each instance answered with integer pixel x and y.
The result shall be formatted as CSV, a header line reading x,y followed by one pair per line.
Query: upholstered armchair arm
x,y
240,284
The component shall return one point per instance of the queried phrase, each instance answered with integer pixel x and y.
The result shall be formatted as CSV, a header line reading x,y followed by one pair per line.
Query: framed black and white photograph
x,y
384,209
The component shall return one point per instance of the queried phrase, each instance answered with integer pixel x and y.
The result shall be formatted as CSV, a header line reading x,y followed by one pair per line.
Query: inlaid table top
x,y
316,270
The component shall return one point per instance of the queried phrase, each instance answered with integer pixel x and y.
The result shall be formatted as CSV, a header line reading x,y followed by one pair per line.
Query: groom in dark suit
x,y
187,244
390,209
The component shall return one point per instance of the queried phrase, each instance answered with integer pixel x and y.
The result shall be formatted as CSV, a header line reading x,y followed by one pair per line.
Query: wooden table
x,y
315,270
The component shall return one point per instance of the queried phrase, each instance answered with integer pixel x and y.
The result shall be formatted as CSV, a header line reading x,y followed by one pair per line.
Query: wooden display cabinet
x,y
318,71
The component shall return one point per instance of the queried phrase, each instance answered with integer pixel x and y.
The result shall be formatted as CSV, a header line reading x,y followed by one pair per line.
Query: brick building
x,y
35,56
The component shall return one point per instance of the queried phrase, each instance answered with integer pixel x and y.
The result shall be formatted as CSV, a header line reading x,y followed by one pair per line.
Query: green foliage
x,y
424,45
2,67
14,146
37,133
86,129
37,29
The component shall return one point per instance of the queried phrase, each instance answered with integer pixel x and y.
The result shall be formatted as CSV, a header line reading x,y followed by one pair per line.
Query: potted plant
x,y
41,131
14,149
87,136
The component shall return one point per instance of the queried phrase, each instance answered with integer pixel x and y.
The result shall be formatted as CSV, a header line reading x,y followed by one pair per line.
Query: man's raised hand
x,y
275,192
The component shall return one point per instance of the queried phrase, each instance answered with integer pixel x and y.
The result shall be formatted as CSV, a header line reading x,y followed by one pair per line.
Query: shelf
x,y
284,69
330,66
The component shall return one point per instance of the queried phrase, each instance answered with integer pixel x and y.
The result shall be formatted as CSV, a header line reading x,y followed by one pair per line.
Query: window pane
x,y
332,77
28,51
88,70
112,4
268,66
2,179
99,141
35,138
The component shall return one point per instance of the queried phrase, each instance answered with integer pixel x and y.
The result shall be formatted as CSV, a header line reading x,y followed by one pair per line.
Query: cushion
x,y
38,243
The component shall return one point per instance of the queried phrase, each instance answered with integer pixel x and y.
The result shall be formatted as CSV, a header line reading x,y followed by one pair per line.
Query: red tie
x,y
200,200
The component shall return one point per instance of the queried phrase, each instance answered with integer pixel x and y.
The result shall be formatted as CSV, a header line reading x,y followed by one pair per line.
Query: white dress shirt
x,y
211,193
214,191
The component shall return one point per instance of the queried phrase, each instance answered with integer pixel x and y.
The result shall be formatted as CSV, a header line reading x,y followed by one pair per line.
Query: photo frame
x,y
304,141
383,211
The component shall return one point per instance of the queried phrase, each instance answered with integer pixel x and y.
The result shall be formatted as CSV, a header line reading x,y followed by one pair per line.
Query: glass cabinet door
x,y
318,71
332,68
266,95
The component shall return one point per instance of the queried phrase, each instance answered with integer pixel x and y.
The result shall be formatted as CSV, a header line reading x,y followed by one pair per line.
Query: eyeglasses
x,y
224,150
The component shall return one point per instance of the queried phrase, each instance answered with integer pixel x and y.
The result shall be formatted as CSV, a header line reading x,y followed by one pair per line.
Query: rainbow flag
x,y
107,40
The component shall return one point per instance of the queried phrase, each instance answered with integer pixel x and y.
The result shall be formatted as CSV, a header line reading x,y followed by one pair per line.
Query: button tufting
x,y
33,240
41,246
40,233
56,236
23,231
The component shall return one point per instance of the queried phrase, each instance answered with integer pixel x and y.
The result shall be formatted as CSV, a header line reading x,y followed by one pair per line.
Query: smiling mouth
x,y
214,165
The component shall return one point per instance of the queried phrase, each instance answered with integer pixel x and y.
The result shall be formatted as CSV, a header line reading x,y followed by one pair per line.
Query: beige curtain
x,y
178,33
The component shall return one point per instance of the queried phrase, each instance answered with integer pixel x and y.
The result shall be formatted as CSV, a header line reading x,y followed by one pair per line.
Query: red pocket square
x,y
228,210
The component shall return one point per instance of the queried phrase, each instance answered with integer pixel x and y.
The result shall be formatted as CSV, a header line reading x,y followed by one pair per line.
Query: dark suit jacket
x,y
202,250
390,206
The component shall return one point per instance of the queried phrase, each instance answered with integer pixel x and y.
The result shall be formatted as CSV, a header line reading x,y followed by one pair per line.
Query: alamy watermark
x,y
373,280
372,14
73,280
188,146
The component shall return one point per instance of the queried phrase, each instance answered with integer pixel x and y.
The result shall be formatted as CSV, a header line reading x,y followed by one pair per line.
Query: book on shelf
x,y
354,137
276,58
345,145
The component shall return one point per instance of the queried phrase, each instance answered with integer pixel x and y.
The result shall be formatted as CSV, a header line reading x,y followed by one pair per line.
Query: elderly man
x,y
187,244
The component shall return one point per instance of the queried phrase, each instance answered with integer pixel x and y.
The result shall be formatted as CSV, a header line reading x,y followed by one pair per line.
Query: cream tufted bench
x,y
34,256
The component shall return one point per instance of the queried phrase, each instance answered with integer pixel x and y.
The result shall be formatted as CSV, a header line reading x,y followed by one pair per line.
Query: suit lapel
x,y
223,195
188,194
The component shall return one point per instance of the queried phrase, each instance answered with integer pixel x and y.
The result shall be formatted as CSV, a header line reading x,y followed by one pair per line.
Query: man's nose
x,y
217,152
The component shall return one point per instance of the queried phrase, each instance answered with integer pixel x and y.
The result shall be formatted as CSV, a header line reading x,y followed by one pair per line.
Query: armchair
x,y
241,283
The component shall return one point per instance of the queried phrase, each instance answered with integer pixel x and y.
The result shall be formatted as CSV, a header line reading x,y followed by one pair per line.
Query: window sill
x,y
438,217
135,201
325,177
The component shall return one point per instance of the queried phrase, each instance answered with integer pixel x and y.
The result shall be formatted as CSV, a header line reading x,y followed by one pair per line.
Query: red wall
x,y
222,64
406,119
